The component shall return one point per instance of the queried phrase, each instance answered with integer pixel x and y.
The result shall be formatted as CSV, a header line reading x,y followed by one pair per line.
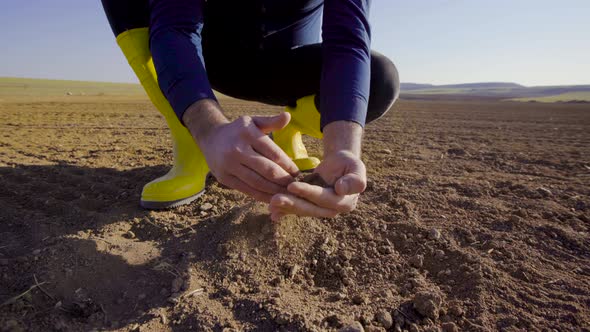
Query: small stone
x,y
206,207
340,296
130,235
385,151
439,254
384,318
359,299
177,284
434,234
544,191
293,270
36,252
450,327
163,318
416,261
354,327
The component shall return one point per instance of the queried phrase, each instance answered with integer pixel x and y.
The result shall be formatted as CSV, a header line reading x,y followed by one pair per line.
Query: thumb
x,y
350,184
268,124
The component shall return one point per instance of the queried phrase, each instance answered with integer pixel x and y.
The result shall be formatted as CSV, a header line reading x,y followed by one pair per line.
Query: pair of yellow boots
x,y
185,182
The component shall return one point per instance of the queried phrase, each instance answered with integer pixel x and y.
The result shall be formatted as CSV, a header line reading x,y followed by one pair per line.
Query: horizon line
x,y
431,84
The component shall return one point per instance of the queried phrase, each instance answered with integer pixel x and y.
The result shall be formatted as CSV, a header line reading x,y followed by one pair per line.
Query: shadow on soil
x,y
65,225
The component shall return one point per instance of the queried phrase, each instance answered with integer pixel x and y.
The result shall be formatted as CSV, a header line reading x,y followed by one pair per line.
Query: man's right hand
x,y
240,154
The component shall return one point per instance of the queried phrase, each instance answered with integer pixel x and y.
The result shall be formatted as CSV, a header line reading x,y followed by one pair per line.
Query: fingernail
x,y
344,186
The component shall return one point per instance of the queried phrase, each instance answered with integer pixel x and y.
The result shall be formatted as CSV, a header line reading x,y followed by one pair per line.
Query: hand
x,y
344,171
241,156
341,168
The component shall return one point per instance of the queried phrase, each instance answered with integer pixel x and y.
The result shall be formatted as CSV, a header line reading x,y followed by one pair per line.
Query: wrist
x,y
202,118
342,136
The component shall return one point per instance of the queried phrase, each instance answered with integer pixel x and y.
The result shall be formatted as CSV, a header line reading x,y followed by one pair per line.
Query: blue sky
x,y
532,42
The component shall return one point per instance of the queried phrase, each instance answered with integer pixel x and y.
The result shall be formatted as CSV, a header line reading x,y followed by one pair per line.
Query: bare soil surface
x,y
476,218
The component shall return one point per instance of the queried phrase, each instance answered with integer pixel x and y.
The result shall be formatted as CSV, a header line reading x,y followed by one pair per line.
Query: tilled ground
x,y
476,218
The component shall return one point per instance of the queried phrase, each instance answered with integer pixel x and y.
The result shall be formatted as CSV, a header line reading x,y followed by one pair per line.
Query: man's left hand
x,y
343,171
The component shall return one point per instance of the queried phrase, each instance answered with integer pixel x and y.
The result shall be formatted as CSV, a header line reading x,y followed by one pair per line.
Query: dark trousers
x,y
266,75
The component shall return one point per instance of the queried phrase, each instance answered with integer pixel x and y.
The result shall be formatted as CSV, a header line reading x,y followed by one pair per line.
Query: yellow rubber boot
x,y
185,182
305,119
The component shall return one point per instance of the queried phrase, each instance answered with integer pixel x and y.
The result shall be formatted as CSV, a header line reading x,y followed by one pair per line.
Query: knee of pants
x,y
385,86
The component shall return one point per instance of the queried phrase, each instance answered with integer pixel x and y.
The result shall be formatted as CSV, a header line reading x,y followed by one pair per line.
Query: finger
x,y
266,168
266,147
276,216
350,184
254,180
235,183
301,207
324,197
276,213
268,124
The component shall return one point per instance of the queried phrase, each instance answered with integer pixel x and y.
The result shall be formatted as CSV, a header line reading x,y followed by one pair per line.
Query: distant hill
x,y
484,85
501,90
26,87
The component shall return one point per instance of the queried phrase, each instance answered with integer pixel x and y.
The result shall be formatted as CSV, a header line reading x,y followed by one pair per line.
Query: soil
x,y
312,178
476,218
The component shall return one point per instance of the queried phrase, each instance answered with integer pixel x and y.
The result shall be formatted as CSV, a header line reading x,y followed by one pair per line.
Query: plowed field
x,y
476,218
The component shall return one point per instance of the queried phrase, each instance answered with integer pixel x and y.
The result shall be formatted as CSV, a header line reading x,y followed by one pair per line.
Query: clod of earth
x,y
434,234
177,284
312,178
360,299
427,304
206,207
384,318
450,327
416,261
354,327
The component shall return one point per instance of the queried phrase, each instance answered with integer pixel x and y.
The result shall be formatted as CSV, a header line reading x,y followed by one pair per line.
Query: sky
x,y
531,42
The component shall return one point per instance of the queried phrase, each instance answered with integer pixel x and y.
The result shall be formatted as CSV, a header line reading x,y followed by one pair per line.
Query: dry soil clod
x,y
354,327
312,178
384,318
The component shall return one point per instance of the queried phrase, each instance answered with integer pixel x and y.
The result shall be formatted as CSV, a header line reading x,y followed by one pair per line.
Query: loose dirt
x,y
476,218
312,178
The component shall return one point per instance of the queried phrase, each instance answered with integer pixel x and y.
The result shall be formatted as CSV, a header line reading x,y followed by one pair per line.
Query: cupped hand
x,y
343,171
241,156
